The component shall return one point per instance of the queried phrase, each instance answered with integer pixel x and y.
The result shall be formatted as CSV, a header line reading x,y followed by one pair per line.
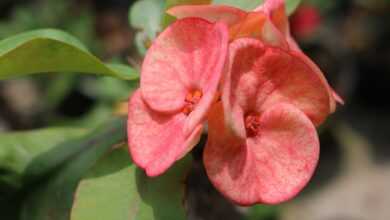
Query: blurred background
x,y
349,40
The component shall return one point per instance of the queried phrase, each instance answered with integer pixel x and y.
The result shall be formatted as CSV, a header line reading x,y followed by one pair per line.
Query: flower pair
x,y
244,74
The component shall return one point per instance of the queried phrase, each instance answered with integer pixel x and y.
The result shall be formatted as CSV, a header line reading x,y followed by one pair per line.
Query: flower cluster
x,y
243,74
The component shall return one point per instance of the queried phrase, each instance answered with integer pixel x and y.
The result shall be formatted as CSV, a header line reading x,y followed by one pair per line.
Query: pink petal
x,y
157,140
333,96
180,59
269,168
276,12
261,76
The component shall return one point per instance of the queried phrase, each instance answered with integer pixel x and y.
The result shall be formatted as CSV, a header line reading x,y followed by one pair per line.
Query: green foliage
x,y
61,14
53,198
51,163
243,4
115,189
108,89
146,16
323,5
58,88
247,5
292,5
171,3
263,212
19,149
53,51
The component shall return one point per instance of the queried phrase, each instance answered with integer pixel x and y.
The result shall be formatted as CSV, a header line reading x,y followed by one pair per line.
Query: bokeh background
x,y
348,39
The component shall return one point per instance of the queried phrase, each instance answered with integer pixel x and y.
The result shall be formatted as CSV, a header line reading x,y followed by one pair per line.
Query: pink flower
x,y
262,101
262,145
179,81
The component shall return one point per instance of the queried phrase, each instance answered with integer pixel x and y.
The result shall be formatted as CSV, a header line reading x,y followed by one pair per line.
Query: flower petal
x,y
333,96
156,140
186,53
270,168
260,76
276,12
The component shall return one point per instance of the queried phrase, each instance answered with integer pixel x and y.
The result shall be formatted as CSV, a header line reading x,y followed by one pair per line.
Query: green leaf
x,y
243,4
108,89
263,212
153,11
292,5
249,5
58,88
19,149
115,189
146,15
323,5
49,50
170,3
141,42
52,199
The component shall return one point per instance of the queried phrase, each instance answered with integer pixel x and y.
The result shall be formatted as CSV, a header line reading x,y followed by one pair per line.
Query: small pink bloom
x,y
179,81
270,99
260,76
271,165
262,146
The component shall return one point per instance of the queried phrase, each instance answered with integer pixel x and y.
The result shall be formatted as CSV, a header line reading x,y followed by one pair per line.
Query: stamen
x,y
252,125
192,98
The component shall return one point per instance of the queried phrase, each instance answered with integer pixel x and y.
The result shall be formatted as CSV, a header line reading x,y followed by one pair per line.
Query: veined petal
x,y
260,76
295,82
333,96
269,168
180,58
157,140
